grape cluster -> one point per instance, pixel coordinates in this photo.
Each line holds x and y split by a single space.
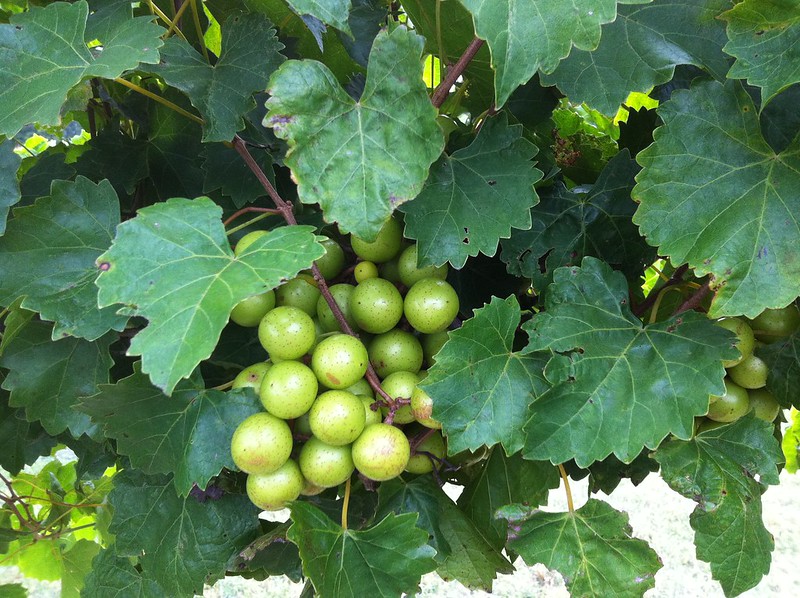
322 420
747 375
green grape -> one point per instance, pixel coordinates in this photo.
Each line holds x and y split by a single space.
300 292
409 271
289 389
362 388
302 426
365 270
430 305
395 351
376 305
774 324
337 417
703 424
324 465
390 271
332 263
261 443
312 490
248 240
730 406
339 361
252 375
250 311
422 409
271 491
401 385
432 344
421 463
287 333
386 245
373 416
381 452
342 294
745 341
750 373
764 405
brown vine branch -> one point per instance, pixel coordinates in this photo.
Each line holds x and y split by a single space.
695 300
453 73
676 278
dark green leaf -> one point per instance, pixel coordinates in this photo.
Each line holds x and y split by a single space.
48 257
783 359
268 555
21 442
780 119
385 560
13 590
225 170
480 387
114 576
116 157
37 181
608 473
358 160
173 265
330 12
474 197
618 385
365 21
725 470
9 185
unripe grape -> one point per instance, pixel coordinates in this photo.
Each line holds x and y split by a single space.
365 270
339 361
422 409
361 387
286 333
381 452
289 389
386 245
341 293
325 465
261 443
376 305
730 406
401 385
774 324
337 417
395 351
300 292
745 340
390 271
750 373
430 305
302 426
409 271
764 405
271 491
372 416
250 311
248 240
420 463
432 344
332 263
251 376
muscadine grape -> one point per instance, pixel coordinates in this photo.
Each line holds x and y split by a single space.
431 344
395 351
289 389
376 305
332 263
385 246
287 333
401 385
361 387
745 341
261 443
250 311
302 426
300 292
421 463
750 373
252 375
339 361
325 465
312 490
372 416
774 324
341 293
430 305
248 240
271 491
337 417
409 271
365 270
764 405
422 409
381 452
390 271
730 406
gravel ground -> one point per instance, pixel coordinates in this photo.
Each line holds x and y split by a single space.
657 515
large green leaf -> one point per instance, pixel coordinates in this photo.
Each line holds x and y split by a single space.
529 35
714 194
474 197
592 548
569 224
21 442
358 159
764 35
641 49
223 93
188 434
48 257
114 576
385 560
480 387
783 359
330 12
725 470
9 185
49 378
172 264
43 54
183 543
76 564
225 170
618 385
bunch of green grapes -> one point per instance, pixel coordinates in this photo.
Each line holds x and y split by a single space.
747 375
323 420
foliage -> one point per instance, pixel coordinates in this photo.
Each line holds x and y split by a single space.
598 180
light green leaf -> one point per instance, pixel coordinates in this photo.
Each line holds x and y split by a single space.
76 564
641 49
358 159
592 548
9 185
43 54
725 470
480 387
48 257
714 194
385 560
188 434
330 12
223 93
473 198
764 35
791 442
172 264
618 385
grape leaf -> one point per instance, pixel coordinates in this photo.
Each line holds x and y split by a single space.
358 159
48 255
725 470
330 12
224 169
269 554
641 49
9 185
37 181
569 224
44 54
21 442
385 560
480 387
223 93
116 157
791 442
474 197
764 35
505 481
783 359
618 385
188 434
114 576
183 543
529 35
13 590
172 264
48 378
714 194
592 548
75 565
780 121
367 18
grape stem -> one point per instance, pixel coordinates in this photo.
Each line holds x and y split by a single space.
695 300
420 438
563 472
677 278
441 92
249 210
345 503
394 405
